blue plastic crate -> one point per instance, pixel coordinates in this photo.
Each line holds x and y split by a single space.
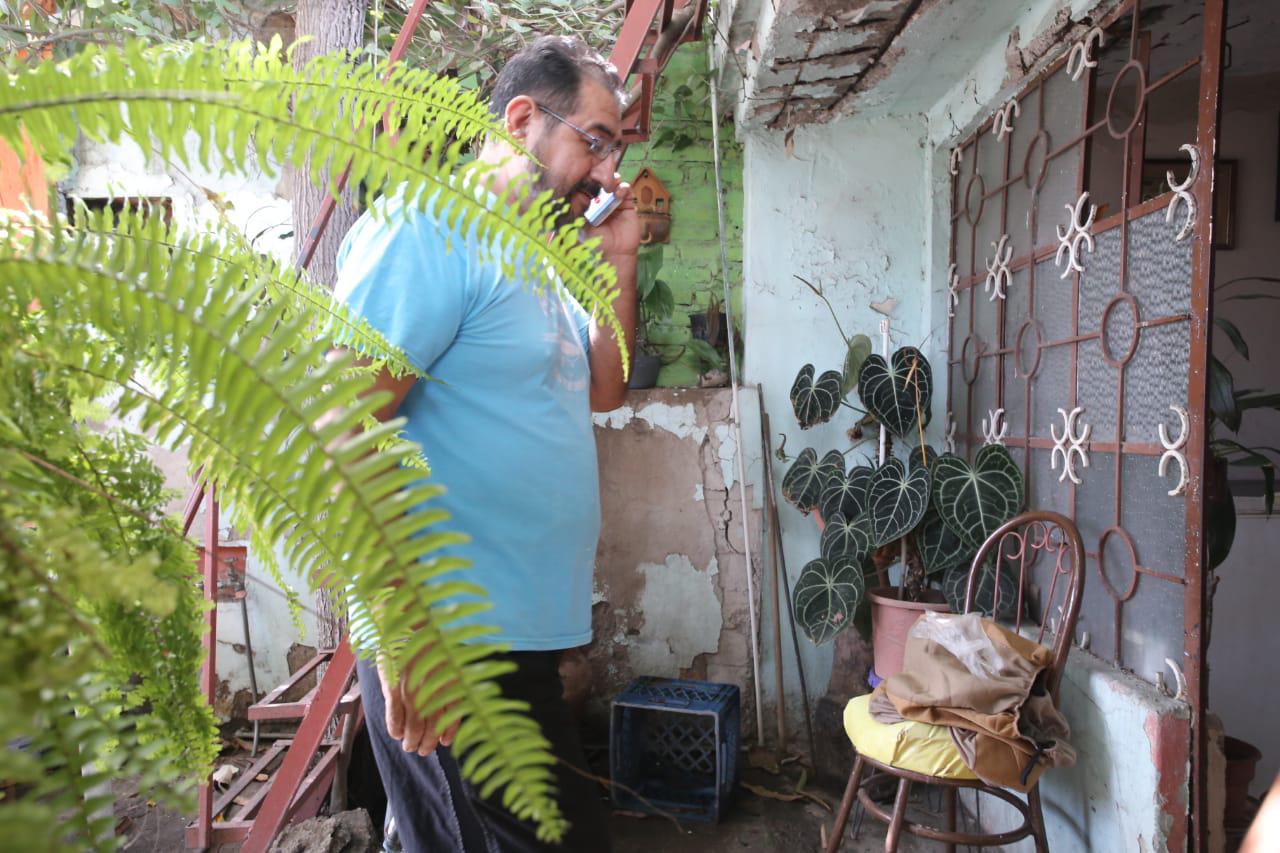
675 743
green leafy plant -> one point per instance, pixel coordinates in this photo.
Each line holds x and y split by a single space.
209 348
653 297
932 512
1228 407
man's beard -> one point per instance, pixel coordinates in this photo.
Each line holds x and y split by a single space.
542 182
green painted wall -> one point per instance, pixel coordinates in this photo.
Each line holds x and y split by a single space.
679 152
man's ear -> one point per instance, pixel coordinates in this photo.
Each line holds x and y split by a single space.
519 116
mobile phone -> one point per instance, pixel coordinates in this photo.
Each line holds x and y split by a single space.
600 208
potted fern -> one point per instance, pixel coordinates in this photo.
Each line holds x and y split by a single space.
928 513
222 353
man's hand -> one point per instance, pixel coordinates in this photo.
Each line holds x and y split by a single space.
620 233
619 241
416 733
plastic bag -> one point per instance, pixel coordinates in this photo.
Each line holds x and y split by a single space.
961 635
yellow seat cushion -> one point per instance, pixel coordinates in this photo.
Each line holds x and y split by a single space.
918 747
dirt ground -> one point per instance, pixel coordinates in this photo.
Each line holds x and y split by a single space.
753 822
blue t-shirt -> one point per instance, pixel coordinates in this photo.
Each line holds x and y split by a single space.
507 426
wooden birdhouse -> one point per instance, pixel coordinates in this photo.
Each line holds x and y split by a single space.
653 204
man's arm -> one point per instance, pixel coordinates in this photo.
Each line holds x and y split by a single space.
415 733
608 387
619 242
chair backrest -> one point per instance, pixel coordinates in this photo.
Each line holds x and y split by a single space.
1018 545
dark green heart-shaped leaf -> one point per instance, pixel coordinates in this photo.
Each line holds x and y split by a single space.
846 494
802 484
815 402
956 581
975 501
846 537
897 500
940 547
922 455
858 352
826 595
897 392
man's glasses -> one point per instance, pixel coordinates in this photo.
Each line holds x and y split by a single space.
601 149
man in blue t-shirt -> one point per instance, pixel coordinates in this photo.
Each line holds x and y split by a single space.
507 430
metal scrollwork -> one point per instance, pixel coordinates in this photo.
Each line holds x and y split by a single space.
950 441
994 428
1075 235
953 290
1081 57
955 161
1173 451
1070 445
999 277
1182 193
1003 124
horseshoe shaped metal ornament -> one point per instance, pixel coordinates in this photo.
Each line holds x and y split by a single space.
999 277
994 430
1173 451
1081 57
1182 192
1003 124
1179 680
953 290
1075 235
1070 445
955 161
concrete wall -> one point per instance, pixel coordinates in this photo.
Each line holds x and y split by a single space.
1243 688
671 584
1128 788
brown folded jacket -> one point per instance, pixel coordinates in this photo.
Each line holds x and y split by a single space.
1004 722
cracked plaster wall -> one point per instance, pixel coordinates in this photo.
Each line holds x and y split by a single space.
670 583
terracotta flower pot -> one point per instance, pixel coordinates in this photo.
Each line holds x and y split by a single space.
891 619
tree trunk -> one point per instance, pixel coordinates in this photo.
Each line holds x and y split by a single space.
334 26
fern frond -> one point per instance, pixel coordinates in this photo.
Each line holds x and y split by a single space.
239 384
296 294
255 105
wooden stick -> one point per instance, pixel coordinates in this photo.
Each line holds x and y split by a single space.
786 588
776 581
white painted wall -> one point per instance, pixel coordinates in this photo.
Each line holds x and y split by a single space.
847 209
1244 689
1110 800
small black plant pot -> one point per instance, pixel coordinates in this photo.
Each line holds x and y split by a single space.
644 370
700 327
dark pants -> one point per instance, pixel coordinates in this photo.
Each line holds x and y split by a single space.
436 811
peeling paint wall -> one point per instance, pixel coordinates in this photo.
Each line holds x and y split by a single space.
670 583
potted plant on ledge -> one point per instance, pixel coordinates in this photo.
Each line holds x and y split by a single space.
656 304
926 512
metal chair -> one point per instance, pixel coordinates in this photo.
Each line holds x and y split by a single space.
1018 544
